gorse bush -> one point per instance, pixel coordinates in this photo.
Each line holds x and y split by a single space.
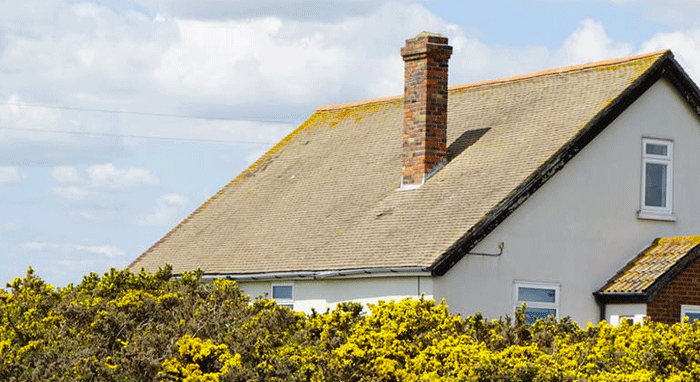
123 326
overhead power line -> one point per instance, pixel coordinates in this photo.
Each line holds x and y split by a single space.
138 136
142 113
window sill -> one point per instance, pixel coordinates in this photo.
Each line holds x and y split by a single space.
656 216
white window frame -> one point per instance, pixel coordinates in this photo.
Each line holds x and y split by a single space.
534 304
685 309
616 319
654 212
283 301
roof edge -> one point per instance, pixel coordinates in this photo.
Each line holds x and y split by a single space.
672 272
326 274
653 290
259 163
554 71
624 269
663 66
620 297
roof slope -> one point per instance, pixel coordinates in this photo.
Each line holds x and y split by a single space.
652 269
325 198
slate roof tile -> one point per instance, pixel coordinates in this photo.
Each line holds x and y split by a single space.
325 197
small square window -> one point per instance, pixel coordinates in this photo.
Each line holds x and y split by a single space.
541 300
616 319
657 178
283 294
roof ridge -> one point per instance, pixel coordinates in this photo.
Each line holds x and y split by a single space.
559 70
691 238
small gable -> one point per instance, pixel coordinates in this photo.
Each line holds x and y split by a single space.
666 276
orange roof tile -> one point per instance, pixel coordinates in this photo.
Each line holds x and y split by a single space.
655 261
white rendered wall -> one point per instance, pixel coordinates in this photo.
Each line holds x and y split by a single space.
628 310
327 293
581 227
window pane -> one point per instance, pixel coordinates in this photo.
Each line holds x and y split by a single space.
653 149
693 317
282 291
536 294
532 314
655 193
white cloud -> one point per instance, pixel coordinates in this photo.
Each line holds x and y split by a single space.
7 226
10 176
106 176
99 178
16 115
65 174
98 186
590 42
167 208
675 12
94 215
73 193
32 134
109 251
104 57
245 9
265 59
685 46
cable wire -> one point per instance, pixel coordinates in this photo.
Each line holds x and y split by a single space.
138 136
143 113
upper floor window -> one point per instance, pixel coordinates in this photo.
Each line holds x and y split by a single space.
657 178
541 300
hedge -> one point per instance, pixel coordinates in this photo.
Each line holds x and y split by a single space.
123 326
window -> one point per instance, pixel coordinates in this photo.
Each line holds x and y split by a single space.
657 176
283 294
616 319
690 311
541 300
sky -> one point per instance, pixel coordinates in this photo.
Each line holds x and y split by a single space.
118 118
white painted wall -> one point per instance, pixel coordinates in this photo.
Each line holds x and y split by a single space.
581 227
327 293
628 310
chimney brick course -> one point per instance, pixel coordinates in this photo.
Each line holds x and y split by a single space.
425 107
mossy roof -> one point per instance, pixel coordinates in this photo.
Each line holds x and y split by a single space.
647 269
325 198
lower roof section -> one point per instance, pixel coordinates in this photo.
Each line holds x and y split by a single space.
650 271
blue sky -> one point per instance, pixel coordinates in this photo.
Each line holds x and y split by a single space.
120 117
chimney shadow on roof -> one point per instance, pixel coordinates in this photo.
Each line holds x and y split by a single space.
465 140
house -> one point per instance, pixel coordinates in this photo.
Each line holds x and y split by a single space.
574 190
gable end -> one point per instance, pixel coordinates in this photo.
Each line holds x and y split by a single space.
664 67
659 285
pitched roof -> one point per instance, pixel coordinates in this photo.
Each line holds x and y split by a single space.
325 198
652 269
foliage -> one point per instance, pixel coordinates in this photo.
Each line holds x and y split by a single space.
123 326
204 361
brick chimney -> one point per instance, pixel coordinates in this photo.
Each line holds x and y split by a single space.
424 107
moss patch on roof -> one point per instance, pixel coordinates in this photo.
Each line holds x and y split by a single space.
645 269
